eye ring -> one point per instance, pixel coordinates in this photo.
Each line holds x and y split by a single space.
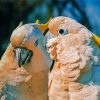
63 31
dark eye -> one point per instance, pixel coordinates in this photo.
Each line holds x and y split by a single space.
63 31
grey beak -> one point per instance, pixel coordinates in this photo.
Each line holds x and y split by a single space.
23 56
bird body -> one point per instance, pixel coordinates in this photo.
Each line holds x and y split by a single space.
24 73
72 73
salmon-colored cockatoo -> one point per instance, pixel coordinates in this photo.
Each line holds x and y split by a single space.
72 75
25 65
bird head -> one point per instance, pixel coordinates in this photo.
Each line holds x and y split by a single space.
64 26
65 33
68 29
28 43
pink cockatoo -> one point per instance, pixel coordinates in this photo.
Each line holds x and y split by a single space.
72 75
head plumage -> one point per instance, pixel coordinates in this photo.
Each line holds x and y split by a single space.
43 27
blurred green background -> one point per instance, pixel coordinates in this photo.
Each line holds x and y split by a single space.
12 12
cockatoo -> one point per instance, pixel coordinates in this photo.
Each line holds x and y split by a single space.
72 75
25 65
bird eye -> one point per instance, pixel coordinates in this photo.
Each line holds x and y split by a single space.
63 31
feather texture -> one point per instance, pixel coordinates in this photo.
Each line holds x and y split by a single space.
71 76
29 81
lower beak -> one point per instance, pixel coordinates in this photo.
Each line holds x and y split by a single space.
23 55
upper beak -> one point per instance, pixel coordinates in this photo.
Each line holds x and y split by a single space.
23 55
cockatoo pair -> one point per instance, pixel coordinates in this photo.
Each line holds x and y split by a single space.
25 64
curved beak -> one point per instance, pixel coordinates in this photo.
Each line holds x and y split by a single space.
23 55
